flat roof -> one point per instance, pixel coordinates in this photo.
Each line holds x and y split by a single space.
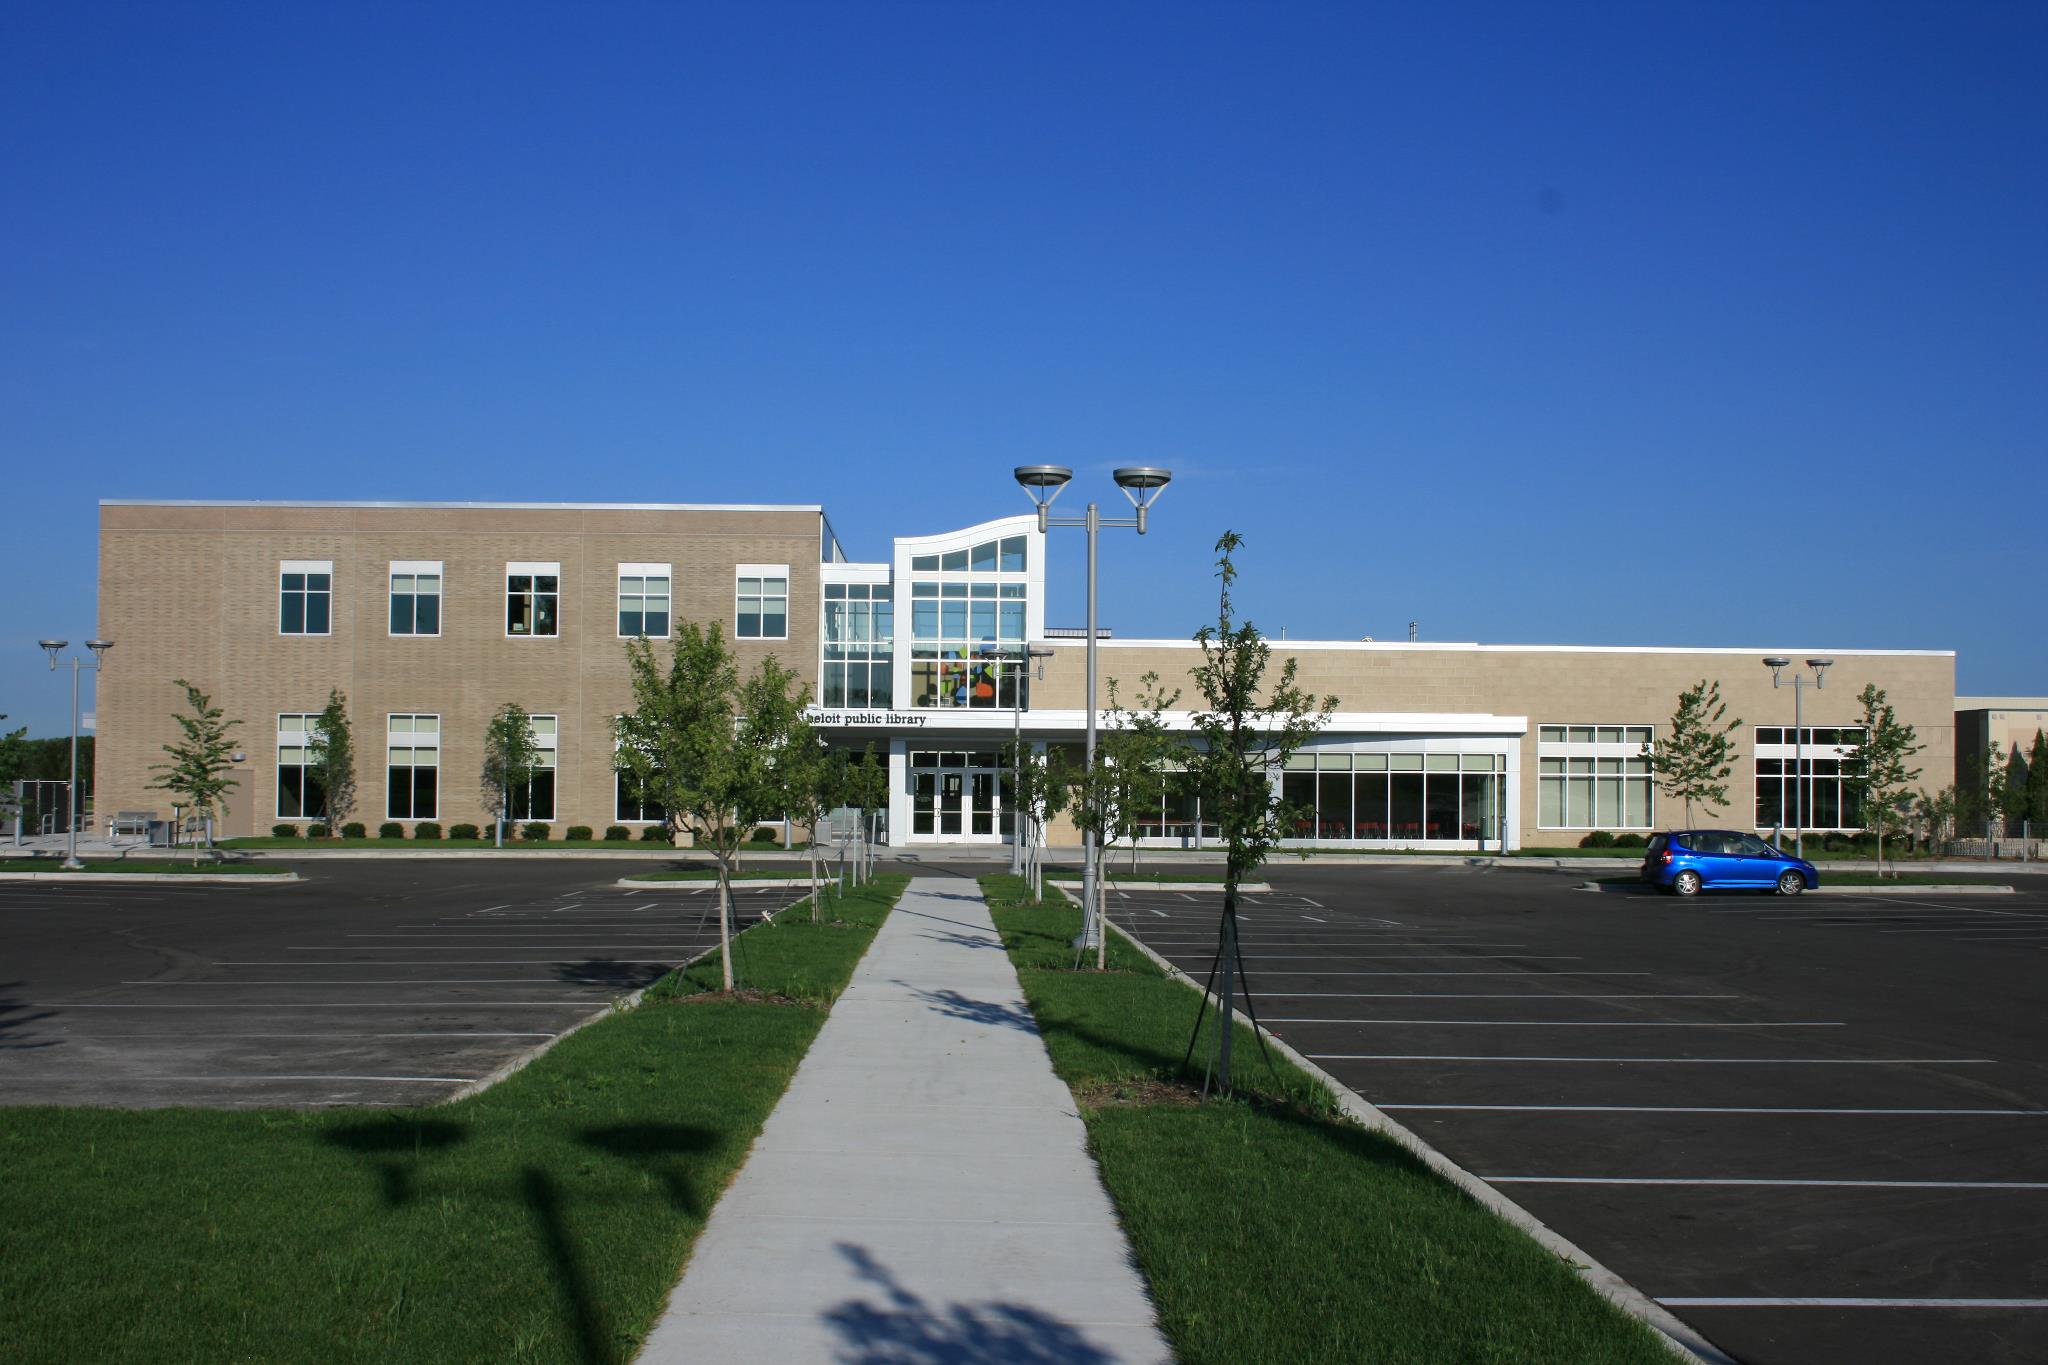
819 508
2002 703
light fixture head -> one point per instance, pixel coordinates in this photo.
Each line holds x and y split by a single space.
1777 662
99 647
1043 481
1820 663
53 645
1141 484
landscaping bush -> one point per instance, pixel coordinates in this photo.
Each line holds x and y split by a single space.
617 834
535 833
1599 838
1630 841
390 829
464 832
354 830
577 832
765 834
284 831
654 834
317 831
426 829
1836 843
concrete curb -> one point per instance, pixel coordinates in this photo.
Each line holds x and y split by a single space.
160 878
1257 888
1962 889
1682 1341
701 883
625 1002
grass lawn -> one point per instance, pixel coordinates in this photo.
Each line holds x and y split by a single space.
135 865
544 1220
1270 1228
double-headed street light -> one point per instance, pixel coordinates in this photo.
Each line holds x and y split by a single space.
1141 484
99 650
1777 665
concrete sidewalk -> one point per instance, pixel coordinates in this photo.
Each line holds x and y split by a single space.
923 1192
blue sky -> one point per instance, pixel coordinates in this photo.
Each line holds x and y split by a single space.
1715 324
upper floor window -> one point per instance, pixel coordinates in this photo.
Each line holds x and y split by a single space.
763 602
305 596
416 597
643 600
532 599
991 556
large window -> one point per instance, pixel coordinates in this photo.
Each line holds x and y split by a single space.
412 767
633 805
305 596
416 597
643 601
763 602
965 637
1404 797
532 599
1827 799
991 556
1593 777
298 789
535 800
860 628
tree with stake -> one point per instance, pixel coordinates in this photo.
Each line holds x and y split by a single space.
1693 762
1043 784
1248 730
809 778
1878 772
201 761
1128 779
511 753
331 762
867 790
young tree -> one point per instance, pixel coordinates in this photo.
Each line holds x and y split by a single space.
1692 763
1128 779
1247 729
2012 792
1936 816
331 762
1878 772
2037 784
867 790
13 758
702 747
201 760
511 753
1041 785
810 779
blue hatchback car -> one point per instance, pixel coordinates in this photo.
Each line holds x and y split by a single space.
1688 861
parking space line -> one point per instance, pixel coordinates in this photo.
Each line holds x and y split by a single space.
367 981
1697 1302
1709 1109
581 1002
1312 917
1749 1182
401 1080
452 962
1468 995
175 1037
1544 972
1562 1023
1410 957
1660 1061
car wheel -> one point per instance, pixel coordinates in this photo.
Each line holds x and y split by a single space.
1791 884
1686 883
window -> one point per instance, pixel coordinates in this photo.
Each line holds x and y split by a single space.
1593 777
416 597
991 556
536 799
1405 797
532 597
412 767
305 596
1827 799
298 789
763 602
860 626
960 633
633 805
643 601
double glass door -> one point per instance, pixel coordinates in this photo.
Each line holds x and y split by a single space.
957 794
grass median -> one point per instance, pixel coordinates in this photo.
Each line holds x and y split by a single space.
1269 1227
543 1220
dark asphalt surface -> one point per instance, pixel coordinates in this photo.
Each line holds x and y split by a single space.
389 983
1885 1058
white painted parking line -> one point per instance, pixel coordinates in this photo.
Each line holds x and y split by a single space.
1318 921
1410 957
1558 1023
1747 1182
467 947
454 962
1976 929
369 981
1311 904
1544 972
1710 1109
1853 1303
1661 1061
1468 995
583 1002
400 1080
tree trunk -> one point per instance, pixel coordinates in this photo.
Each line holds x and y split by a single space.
724 923
811 868
1101 926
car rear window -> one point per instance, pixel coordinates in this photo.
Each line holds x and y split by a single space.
1657 842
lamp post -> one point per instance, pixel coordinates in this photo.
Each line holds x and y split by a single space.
1777 665
99 650
1141 484
1026 656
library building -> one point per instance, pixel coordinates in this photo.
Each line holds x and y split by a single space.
429 617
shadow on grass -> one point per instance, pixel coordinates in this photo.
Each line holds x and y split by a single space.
911 1331
572 1283
654 1148
394 1147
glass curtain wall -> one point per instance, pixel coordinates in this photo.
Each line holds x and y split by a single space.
1406 797
860 630
955 617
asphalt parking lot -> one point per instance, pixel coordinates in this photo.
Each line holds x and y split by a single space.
392 983
1815 1128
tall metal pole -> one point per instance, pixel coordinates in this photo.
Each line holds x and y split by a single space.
71 796
1017 761
1090 874
1799 764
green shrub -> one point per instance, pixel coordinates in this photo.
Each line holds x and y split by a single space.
284 831
765 834
1599 838
390 829
577 832
1836 843
426 829
317 831
654 834
464 832
1631 841
535 833
617 834
354 830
